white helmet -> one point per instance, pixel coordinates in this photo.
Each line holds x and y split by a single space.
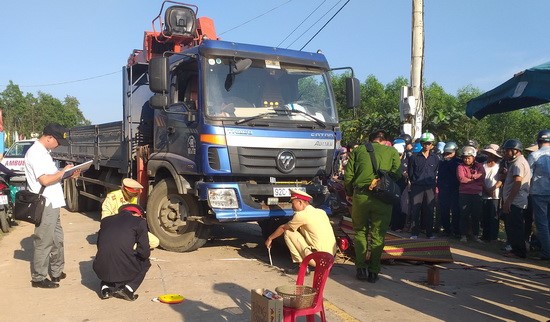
469 151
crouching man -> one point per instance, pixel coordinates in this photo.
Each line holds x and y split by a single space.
120 268
308 231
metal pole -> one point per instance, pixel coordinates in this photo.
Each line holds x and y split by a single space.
417 62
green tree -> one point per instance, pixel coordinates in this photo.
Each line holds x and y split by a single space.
444 115
27 114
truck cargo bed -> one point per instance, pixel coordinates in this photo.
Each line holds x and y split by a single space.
103 143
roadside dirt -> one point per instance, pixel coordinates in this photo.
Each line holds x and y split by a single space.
216 281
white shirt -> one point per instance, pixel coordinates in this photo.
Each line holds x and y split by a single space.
491 179
39 162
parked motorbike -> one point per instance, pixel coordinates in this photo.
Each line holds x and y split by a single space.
8 188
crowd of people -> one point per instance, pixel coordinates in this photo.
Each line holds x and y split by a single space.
464 192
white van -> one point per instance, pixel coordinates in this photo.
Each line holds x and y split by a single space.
14 158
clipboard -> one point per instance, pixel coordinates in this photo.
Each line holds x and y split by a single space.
83 167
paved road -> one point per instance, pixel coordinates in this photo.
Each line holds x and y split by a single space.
216 282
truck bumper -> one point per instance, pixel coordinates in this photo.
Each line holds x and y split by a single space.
254 201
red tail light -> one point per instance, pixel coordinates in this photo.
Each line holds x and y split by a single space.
343 243
3 186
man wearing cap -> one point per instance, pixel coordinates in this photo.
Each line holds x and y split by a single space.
308 231
41 172
540 191
119 264
370 216
128 194
491 193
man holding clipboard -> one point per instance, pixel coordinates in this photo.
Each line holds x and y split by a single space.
41 172
68 172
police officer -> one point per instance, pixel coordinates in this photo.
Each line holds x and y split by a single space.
369 215
308 231
120 268
128 194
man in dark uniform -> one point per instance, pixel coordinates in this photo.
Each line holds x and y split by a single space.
122 258
422 171
447 183
370 215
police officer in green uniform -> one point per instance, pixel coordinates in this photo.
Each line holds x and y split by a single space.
370 215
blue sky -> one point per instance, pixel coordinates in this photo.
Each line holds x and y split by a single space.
469 42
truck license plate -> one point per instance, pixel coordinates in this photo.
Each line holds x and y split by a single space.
3 200
285 191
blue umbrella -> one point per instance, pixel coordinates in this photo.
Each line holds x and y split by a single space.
527 88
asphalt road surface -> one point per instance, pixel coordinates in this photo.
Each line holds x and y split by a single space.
216 281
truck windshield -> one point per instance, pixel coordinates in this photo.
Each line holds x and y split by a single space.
267 86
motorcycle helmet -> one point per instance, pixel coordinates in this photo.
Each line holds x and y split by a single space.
440 146
407 138
450 147
512 144
543 136
469 151
399 141
472 143
427 137
417 147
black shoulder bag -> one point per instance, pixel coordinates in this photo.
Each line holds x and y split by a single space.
29 206
386 189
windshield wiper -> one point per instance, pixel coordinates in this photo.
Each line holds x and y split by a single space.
281 111
289 112
259 116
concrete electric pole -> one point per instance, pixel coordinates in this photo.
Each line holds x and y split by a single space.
411 105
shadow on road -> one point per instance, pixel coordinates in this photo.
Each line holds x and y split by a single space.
87 275
192 310
25 253
474 287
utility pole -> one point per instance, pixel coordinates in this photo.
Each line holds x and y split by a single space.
417 65
411 105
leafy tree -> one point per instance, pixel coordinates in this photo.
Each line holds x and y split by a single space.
27 114
444 115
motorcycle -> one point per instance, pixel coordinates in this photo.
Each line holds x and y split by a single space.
8 188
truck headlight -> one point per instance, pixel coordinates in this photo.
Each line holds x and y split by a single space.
222 198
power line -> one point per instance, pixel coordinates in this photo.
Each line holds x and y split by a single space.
325 24
71 81
301 23
261 15
329 10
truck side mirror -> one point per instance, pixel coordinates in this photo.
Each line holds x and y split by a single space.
158 75
158 101
353 92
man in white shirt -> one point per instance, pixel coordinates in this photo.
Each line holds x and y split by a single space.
40 170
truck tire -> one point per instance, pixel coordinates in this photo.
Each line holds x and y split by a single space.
165 210
4 224
71 195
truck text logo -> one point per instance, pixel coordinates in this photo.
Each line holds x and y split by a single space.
322 135
239 132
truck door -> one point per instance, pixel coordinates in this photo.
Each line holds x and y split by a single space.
181 121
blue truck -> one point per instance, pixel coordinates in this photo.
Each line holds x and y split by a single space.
216 131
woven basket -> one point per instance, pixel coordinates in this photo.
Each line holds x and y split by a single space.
296 296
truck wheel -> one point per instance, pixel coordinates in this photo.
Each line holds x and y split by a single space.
71 195
4 225
166 210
